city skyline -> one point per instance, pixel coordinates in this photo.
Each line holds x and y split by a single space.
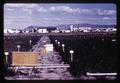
20 16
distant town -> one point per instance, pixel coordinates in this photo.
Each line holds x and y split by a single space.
64 29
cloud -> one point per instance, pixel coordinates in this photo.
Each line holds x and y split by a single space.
73 14
62 20
65 9
61 9
8 22
106 18
105 12
42 9
27 10
52 19
17 23
30 5
20 17
10 9
69 10
24 7
110 12
14 5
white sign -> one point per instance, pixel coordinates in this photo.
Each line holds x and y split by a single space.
49 47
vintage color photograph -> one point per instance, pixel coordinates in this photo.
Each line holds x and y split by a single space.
60 41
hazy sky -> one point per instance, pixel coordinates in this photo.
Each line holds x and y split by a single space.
24 15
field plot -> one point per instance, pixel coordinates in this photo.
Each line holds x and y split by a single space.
90 54
96 54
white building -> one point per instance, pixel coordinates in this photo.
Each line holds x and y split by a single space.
11 31
5 30
71 28
85 29
42 31
26 31
111 29
114 29
67 31
56 31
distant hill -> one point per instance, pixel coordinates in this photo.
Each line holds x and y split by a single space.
85 25
39 27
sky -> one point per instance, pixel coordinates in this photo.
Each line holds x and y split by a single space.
20 16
